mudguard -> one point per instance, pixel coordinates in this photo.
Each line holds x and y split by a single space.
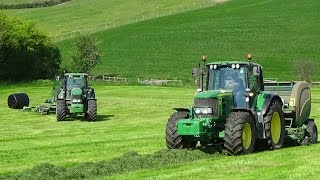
268 99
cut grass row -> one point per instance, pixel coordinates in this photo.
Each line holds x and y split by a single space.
131 118
276 32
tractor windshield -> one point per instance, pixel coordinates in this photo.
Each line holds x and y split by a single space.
228 78
76 81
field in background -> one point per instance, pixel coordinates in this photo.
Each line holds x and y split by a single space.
276 32
131 118
19 1
94 15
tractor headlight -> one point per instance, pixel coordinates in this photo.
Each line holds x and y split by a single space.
76 100
205 110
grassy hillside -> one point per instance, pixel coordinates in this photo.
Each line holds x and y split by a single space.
19 1
277 32
94 15
131 119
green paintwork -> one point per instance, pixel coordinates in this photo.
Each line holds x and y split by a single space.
76 92
77 108
213 94
260 100
194 127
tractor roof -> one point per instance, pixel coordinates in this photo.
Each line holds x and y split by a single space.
76 74
225 63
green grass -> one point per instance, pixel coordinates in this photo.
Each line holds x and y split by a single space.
9 2
275 32
96 14
131 118
290 163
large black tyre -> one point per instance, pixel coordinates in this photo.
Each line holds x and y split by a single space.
311 134
274 124
91 114
240 133
61 110
173 140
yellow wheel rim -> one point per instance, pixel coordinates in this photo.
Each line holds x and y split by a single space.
246 135
275 127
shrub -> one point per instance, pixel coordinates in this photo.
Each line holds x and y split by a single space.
304 68
87 54
25 53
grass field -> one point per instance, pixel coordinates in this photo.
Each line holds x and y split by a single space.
276 32
96 14
19 1
131 118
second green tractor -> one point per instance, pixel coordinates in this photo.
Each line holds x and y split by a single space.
237 108
74 96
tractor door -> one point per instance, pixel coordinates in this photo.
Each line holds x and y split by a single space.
255 82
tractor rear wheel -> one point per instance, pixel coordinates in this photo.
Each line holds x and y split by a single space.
311 134
173 140
91 113
61 110
275 126
240 133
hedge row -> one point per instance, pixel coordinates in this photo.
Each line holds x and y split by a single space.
25 52
47 3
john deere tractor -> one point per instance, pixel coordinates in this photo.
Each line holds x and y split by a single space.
75 97
235 108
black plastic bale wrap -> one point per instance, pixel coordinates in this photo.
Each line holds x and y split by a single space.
18 101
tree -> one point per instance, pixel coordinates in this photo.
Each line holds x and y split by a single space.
304 68
25 52
87 54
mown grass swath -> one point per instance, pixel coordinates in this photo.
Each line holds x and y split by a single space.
275 32
129 161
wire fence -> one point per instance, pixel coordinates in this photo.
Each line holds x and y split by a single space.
122 22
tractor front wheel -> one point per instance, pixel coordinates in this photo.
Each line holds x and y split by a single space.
173 140
61 110
91 113
240 133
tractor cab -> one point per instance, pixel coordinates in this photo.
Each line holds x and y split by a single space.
236 77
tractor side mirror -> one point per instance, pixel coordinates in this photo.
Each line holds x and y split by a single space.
57 78
195 72
256 71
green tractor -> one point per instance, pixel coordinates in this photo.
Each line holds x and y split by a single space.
236 109
74 96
